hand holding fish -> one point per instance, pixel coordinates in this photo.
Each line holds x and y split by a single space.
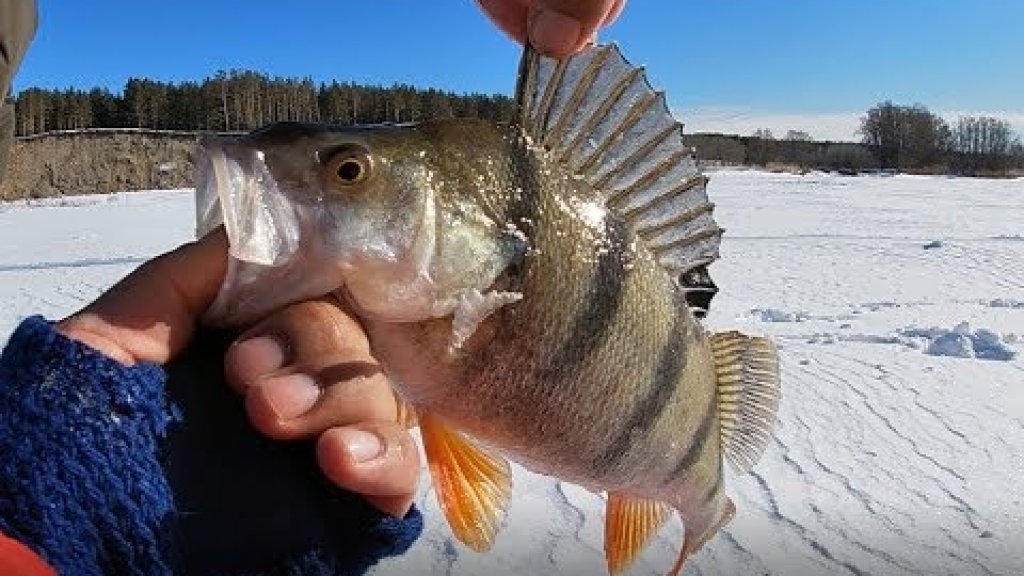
557 28
305 370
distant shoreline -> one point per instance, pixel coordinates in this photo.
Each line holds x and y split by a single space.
107 160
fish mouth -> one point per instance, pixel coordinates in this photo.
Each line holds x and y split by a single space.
265 229
235 188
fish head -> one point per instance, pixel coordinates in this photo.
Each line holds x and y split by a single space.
311 209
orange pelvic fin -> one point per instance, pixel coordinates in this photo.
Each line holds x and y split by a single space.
473 484
629 525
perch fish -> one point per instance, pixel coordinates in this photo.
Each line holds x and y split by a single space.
532 289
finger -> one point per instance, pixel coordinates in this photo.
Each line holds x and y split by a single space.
308 368
560 28
151 314
377 459
508 15
296 334
613 12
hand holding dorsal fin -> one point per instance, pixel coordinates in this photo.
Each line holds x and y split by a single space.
748 395
597 115
629 524
473 484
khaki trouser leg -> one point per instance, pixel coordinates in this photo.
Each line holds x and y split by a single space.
18 21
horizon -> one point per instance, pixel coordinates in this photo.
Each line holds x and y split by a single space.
803 67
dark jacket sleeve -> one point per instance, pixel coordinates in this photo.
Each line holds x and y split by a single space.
112 469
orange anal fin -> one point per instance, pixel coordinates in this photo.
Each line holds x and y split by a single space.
629 525
15 558
473 484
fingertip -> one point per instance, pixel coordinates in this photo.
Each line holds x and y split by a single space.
508 15
614 13
388 472
251 358
277 406
560 28
554 33
394 506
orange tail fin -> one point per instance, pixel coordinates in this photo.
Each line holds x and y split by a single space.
698 532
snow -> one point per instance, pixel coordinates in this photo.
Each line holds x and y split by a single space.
1006 303
773 315
900 448
962 342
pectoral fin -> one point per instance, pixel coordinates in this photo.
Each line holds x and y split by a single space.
473 484
474 307
629 525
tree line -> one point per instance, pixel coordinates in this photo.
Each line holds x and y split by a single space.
912 138
893 138
794 150
243 100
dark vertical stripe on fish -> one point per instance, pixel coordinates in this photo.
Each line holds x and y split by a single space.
712 490
699 439
663 385
591 327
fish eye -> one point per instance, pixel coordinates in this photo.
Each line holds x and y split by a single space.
350 170
349 166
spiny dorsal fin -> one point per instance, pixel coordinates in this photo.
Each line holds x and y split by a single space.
629 524
598 115
748 395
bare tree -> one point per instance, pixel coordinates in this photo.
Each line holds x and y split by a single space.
904 137
759 147
983 144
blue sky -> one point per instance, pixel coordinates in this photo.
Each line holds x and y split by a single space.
730 65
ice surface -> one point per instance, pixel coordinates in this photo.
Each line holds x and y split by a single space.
888 460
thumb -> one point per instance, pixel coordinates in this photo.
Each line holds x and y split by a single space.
560 28
151 314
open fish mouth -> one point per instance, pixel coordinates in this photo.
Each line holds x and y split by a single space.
235 188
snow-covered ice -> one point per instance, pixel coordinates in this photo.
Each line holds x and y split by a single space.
900 448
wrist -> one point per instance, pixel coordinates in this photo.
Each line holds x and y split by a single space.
89 330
